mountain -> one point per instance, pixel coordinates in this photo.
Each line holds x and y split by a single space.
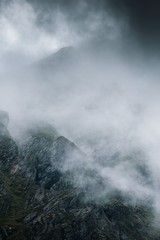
59 58
40 200
57 62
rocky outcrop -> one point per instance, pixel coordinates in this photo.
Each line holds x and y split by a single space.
8 148
36 153
4 118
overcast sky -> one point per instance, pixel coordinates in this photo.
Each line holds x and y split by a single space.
139 19
95 99
142 15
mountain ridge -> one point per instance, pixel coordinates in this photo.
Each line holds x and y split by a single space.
40 201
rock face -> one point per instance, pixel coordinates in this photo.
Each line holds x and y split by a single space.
8 148
38 199
36 154
4 118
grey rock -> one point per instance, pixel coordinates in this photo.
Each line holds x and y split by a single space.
36 152
4 118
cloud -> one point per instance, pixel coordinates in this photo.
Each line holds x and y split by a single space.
104 101
33 32
20 33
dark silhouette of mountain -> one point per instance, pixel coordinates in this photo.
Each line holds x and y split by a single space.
61 59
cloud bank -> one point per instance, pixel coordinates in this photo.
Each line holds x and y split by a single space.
105 101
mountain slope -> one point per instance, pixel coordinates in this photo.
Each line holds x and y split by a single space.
39 200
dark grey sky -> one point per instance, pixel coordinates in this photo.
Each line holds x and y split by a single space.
138 20
143 15
144 18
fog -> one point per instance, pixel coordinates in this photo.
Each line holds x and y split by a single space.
102 94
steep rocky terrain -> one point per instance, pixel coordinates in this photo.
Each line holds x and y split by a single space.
39 200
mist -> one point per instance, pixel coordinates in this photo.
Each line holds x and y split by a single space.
104 95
